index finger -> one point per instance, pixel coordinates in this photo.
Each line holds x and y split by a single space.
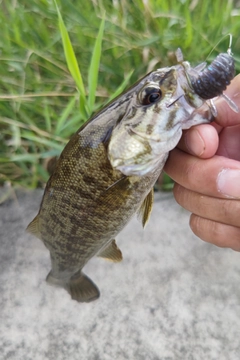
226 116
205 176
202 140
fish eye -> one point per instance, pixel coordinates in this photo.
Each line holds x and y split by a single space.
150 95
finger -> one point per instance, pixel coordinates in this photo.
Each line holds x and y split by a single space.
229 142
226 116
217 176
221 210
201 140
216 233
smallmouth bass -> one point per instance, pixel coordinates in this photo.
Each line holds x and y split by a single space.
107 171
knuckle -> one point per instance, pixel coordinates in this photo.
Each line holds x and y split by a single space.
230 210
192 175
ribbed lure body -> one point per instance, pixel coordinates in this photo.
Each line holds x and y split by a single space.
215 78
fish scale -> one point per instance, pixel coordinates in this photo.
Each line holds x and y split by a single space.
107 171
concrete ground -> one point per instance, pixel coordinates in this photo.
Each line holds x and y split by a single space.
172 297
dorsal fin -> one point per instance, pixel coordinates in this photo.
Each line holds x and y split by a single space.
146 207
33 227
111 252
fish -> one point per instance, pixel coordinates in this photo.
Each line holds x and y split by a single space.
106 173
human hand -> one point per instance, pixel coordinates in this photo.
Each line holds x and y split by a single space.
206 169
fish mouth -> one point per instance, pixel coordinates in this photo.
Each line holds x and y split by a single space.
161 136
175 100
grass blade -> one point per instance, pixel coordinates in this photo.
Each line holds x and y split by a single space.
72 62
94 67
121 87
64 116
38 140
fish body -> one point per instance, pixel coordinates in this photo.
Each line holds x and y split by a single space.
106 174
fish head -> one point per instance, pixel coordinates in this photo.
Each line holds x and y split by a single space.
161 105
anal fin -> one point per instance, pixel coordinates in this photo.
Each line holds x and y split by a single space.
33 227
111 252
145 209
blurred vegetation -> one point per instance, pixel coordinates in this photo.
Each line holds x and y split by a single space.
39 100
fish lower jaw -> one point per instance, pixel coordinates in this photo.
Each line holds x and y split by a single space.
145 168
157 159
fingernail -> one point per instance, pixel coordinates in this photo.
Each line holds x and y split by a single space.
228 182
194 142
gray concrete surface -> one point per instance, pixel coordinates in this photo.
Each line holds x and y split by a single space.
173 296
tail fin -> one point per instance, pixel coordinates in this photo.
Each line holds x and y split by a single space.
81 288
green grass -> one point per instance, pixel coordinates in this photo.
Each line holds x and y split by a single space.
45 96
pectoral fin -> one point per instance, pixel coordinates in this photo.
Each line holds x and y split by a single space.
146 207
111 252
33 227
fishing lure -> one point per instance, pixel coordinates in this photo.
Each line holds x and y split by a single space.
214 79
210 81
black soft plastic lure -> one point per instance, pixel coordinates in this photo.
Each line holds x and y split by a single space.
215 78
210 81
